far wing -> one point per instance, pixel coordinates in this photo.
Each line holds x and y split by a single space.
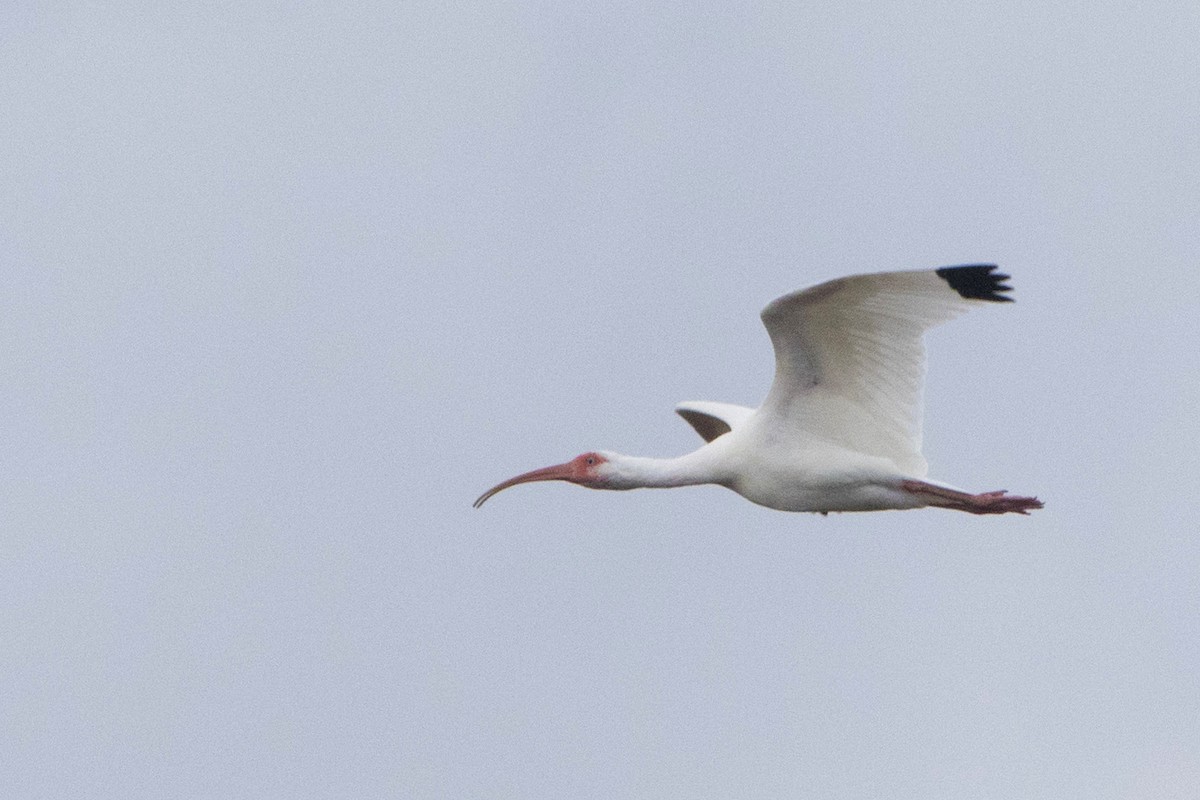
850 361
712 419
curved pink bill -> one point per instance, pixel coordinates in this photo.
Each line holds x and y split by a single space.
558 472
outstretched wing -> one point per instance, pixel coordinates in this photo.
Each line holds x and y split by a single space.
850 361
713 419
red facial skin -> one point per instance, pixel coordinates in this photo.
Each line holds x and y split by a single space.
581 470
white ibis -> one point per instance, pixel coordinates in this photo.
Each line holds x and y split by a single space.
840 429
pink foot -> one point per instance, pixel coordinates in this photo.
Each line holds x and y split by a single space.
1002 502
999 502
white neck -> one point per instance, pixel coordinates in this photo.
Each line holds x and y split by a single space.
635 472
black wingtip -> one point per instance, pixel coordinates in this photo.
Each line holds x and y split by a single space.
977 282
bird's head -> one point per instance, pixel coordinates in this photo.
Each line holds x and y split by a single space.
589 469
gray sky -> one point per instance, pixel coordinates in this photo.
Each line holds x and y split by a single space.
287 287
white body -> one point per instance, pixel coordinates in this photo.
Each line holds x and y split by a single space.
769 472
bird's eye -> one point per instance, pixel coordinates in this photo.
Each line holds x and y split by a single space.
590 461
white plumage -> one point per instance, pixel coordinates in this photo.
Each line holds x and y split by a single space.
840 429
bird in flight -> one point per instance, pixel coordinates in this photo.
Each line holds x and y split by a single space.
840 429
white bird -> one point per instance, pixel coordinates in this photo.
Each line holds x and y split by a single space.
840 429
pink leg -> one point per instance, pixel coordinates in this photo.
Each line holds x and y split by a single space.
1000 502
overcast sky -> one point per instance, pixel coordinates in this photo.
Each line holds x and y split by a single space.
288 285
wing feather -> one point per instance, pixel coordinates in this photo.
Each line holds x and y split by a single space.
712 419
850 360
